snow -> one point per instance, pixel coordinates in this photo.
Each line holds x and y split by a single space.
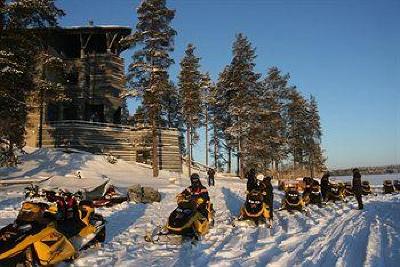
335 235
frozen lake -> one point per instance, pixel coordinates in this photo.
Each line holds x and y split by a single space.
373 179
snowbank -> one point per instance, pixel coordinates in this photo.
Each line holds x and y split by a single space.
94 169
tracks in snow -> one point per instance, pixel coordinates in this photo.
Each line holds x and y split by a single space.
335 235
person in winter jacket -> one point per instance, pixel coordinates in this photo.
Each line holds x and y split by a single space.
196 190
325 185
252 183
211 177
267 190
357 188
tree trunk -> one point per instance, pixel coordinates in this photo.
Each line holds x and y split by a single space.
215 149
40 120
229 160
238 163
189 152
241 163
206 138
311 167
2 4
155 148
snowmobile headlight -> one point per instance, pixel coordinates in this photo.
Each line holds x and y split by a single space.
25 228
187 211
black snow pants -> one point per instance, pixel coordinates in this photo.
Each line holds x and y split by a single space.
358 196
324 192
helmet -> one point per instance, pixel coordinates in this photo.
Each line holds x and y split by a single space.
260 177
195 178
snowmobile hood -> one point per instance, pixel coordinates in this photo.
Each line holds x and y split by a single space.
13 234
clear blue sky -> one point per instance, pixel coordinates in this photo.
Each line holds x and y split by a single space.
346 53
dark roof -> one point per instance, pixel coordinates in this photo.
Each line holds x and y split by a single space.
124 30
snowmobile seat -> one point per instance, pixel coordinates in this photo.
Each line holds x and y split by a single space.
388 187
396 184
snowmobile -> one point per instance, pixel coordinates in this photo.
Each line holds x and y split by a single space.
312 195
388 187
110 198
348 189
396 184
191 220
38 238
336 192
292 200
254 211
366 188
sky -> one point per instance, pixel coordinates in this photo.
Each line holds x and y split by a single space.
346 53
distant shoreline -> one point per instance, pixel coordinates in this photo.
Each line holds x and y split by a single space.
390 169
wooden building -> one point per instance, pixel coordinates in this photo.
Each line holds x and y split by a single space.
90 119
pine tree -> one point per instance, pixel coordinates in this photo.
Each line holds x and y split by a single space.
269 130
190 91
206 88
313 137
242 91
297 127
49 80
222 118
24 65
215 118
153 40
171 106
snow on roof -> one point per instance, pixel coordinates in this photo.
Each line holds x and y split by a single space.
98 26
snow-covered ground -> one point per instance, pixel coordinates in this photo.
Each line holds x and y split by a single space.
335 235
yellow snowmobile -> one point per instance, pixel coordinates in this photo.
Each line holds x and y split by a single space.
312 194
336 191
293 200
366 188
191 220
254 211
36 238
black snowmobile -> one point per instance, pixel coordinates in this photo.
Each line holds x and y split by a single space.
254 211
336 192
366 188
312 195
396 184
187 222
348 189
292 200
388 187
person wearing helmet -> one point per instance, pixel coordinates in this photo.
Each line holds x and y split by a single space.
325 185
267 189
211 177
252 183
196 189
357 187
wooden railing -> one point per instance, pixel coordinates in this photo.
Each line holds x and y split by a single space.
77 123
